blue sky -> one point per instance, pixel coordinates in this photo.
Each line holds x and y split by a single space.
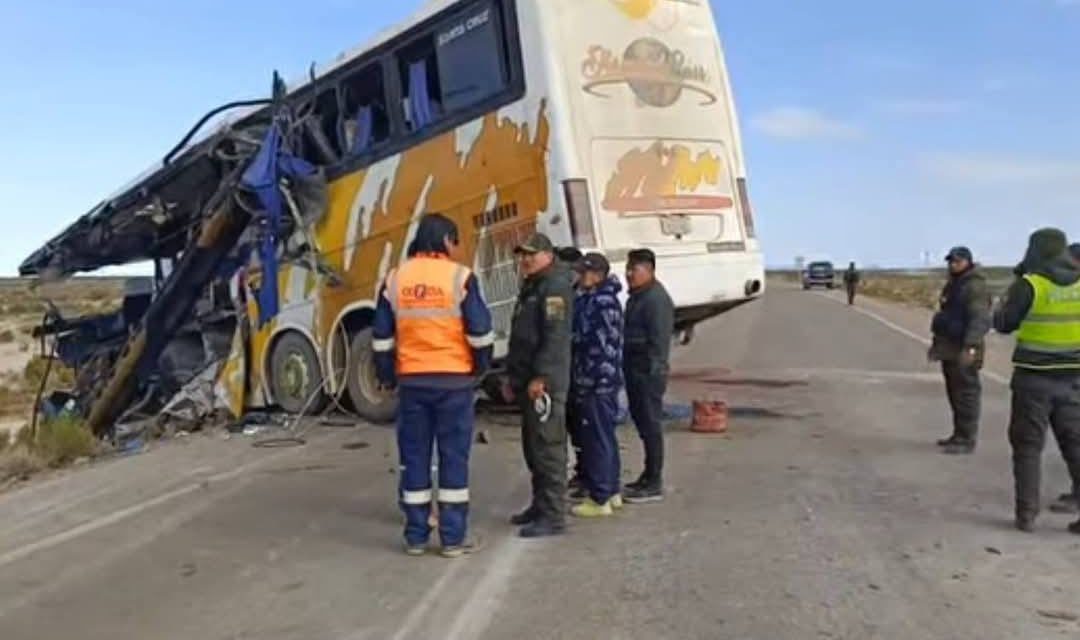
873 131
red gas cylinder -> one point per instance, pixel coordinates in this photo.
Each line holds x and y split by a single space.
710 416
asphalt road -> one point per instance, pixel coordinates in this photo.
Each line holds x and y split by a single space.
826 512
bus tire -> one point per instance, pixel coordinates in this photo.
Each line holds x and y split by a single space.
296 378
362 384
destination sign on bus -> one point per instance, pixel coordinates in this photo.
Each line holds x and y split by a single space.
463 27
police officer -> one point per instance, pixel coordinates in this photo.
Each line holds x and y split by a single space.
1043 308
432 336
959 328
1066 502
650 323
851 282
538 366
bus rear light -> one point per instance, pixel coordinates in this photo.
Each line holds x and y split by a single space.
747 211
579 210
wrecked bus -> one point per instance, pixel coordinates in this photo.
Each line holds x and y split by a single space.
607 124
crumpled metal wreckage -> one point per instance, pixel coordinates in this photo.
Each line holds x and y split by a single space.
236 202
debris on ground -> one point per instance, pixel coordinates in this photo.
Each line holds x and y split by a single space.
482 437
1063 616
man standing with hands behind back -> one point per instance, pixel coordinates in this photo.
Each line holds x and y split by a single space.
538 365
650 323
960 328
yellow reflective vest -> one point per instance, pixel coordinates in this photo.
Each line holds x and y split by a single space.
1049 336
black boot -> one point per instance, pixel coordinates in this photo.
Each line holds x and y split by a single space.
959 448
527 516
944 442
1066 503
1026 524
543 528
1075 527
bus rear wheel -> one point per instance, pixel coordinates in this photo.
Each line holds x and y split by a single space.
363 385
296 378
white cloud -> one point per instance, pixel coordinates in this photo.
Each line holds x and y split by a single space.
922 106
799 123
1001 169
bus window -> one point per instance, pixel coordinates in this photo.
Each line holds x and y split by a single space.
460 64
365 120
321 143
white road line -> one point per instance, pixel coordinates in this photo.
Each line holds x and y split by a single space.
910 334
90 526
417 614
477 612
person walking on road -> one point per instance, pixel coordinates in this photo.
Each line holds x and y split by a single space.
650 323
432 337
851 282
959 329
1043 308
538 366
596 378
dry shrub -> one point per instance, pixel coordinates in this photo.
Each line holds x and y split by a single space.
60 376
15 401
60 441
19 463
922 291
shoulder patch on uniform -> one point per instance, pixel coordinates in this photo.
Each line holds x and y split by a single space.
555 307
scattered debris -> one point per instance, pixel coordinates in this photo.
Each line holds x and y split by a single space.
482 437
132 447
1063 616
188 569
993 550
874 587
355 446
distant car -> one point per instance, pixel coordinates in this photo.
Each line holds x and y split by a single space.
819 274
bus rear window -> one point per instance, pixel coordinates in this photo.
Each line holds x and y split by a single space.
460 64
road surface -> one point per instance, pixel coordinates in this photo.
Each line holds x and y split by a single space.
825 513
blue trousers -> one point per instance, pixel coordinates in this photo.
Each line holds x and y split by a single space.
595 416
428 416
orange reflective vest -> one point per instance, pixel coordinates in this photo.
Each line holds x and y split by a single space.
426 293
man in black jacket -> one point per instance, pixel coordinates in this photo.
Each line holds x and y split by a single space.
960 328
1043 307
538 365
650 323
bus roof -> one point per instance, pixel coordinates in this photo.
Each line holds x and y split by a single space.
102 209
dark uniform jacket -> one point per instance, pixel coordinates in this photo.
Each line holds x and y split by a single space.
963 319
540 333
650 323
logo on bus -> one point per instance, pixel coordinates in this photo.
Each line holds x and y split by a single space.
666 178
657 74
646 10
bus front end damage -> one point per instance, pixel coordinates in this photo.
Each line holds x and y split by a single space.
216 217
